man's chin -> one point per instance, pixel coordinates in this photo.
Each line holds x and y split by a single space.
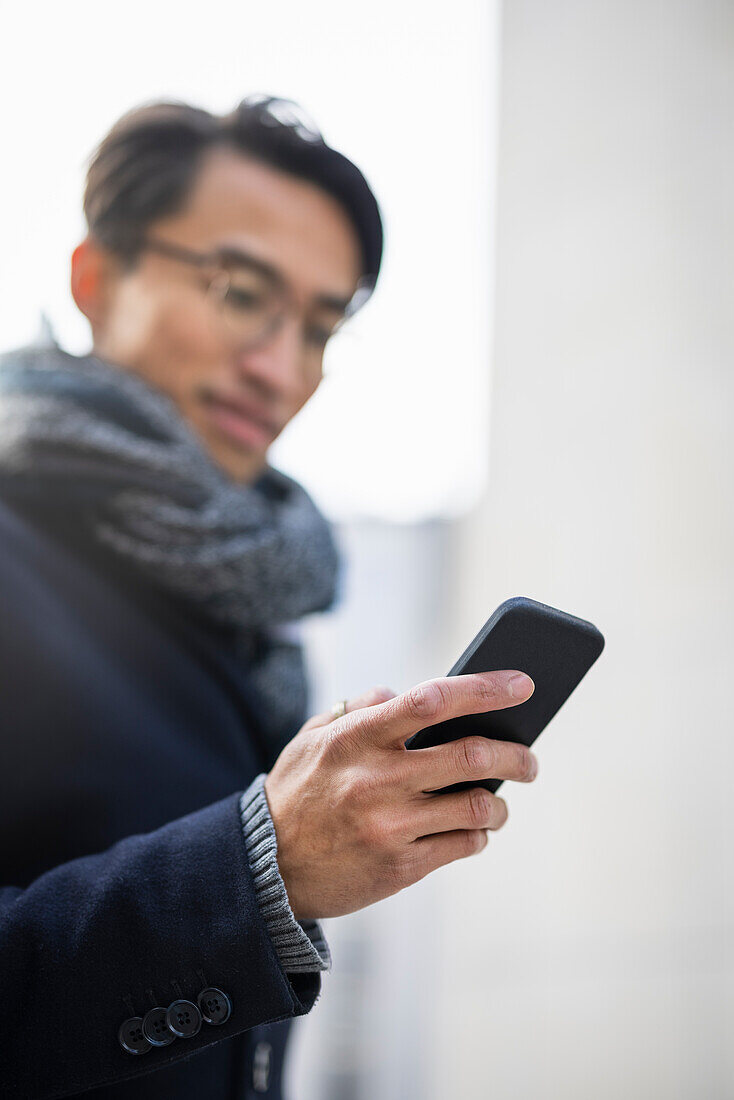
240 463
242 468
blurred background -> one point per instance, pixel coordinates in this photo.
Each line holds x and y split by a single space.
537 401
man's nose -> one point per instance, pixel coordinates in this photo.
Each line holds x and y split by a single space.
276 361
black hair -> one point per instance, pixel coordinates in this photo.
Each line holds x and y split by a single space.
144 169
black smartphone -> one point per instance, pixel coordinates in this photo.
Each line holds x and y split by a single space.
554 648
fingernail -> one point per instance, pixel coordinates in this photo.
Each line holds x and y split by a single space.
533 767
520 685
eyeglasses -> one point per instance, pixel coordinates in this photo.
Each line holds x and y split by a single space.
252 299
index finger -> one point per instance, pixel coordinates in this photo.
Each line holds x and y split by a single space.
391 723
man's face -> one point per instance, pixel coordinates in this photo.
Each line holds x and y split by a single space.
159 321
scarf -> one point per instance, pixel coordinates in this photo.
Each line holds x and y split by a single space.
121 462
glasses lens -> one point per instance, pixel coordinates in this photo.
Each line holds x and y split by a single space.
247 301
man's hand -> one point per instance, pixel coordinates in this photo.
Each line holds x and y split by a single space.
356 814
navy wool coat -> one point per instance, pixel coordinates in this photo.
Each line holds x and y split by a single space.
128 731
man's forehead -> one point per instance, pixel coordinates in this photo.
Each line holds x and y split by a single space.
239 204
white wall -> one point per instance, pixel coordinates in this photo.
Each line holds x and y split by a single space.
588 952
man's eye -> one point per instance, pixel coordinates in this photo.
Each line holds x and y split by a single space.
243 299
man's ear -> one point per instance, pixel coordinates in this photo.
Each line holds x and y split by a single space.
93 272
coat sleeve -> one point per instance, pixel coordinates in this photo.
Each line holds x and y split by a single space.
301 945
157 918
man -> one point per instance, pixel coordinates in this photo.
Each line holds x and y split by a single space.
171 828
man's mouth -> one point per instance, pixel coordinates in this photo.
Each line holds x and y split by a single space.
240 422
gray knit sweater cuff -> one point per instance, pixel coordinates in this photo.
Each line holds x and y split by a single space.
301 945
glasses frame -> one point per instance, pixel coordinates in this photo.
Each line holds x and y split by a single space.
219 281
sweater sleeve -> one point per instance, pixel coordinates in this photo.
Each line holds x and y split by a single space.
301 945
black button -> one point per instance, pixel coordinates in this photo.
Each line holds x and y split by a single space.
155 1028
131 1036
216 1007
183 1018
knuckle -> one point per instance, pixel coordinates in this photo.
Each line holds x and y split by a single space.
472 757
374 833
425 700
334 745
396 873
360 788
480 807
347 781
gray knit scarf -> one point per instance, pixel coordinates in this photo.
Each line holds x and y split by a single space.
118 455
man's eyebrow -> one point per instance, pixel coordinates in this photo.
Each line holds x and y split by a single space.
334 302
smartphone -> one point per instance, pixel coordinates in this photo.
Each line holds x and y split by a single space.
554 648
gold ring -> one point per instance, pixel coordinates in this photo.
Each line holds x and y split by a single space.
339 709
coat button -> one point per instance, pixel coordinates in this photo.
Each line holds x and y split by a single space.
216 1007
183 1018
155 1028
131 1036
